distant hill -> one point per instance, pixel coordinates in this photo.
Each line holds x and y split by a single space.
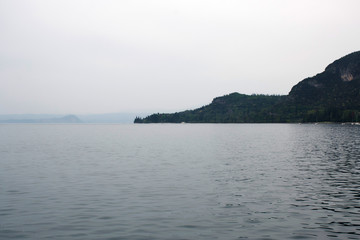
109 118
33 119
333 95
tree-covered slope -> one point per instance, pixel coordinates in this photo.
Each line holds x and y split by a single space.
232 108
333 95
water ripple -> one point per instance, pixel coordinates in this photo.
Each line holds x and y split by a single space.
262 181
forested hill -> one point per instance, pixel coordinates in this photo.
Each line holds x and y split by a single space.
232 108
333 95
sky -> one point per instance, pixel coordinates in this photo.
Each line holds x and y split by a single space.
103 56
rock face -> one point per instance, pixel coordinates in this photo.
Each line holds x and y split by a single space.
338 86
333 95
347 68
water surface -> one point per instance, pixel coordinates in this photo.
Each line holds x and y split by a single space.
180 181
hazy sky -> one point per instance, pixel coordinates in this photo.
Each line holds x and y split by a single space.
102 56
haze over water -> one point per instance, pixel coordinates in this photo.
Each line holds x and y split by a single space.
185 181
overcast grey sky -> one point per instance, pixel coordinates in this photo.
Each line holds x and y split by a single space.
73 56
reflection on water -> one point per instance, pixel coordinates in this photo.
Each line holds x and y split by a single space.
210 181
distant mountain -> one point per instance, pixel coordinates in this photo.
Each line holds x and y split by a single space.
333 95
109 118
56 118
64 119
28 116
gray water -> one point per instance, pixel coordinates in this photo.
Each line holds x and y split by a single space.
199 181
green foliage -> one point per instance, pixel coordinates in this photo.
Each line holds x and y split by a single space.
232 108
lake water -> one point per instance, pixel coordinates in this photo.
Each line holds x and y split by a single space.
180 181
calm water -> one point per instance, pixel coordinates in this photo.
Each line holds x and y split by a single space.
211 181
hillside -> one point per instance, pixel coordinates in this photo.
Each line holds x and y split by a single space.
332 95
232 108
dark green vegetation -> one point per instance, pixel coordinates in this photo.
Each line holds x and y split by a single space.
232 108
331 96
